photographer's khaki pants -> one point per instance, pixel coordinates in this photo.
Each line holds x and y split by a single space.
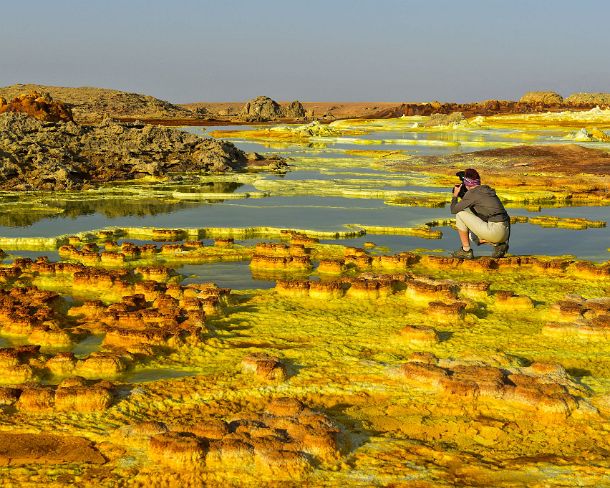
494 232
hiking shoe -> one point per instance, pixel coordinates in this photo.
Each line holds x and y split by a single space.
460 253
474 238
500 250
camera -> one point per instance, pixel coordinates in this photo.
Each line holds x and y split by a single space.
463 189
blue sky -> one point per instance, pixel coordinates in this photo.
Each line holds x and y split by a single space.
327 50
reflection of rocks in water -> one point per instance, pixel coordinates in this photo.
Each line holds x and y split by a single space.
24 217
221 186
27 214
108 207
121 207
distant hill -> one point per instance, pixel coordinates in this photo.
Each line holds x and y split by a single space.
92 104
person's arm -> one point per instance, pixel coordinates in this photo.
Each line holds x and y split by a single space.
466 202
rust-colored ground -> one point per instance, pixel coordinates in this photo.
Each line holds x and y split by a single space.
565 159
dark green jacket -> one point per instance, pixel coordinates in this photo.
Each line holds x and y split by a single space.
483 202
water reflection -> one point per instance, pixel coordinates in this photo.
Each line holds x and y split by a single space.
24 214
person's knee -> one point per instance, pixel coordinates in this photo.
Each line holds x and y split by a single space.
459 221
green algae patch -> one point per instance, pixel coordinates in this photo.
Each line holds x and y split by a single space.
424 231
566 223
364 189
216 196
430 201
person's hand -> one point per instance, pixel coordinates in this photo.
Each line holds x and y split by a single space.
456 190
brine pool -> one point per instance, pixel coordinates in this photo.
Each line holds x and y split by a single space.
316 194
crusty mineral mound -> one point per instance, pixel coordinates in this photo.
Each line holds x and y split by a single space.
452 119
37 155
39 105
262 109
91 105
542 97
587 99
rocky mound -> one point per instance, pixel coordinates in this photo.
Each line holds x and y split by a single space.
38 155
295 110
38 105
90 105
264 109
542 97
580 99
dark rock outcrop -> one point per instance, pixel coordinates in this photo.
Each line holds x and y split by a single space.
38 155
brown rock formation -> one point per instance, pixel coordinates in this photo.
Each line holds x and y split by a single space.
507 299
282 442
293 288
101 364
326 289
588 99
419 334
331 266
261 109
290 263
542 98
36 399
431 290
82 398
180 450
541 388
295 110
447 310
369 289
264 366
26 309
38 105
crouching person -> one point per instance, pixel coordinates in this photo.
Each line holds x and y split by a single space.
479 216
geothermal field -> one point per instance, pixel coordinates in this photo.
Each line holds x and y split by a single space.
264 294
